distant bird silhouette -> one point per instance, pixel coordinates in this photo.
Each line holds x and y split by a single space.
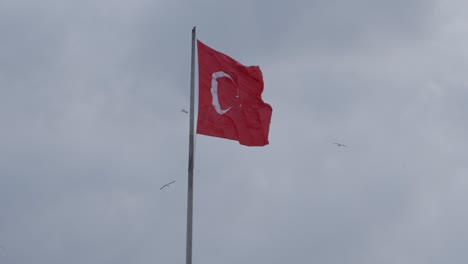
184 111
339 144
166 185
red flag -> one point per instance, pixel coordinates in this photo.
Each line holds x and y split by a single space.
230 101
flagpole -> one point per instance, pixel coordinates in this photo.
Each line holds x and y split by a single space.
188 253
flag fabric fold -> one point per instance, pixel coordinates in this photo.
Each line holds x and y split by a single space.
230 103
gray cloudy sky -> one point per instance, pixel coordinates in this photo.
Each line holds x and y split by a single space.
90 128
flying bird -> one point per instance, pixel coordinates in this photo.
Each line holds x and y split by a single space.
184 111
166 185
339 144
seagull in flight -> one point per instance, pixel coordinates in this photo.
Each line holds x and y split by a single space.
339 144
166 185
184 111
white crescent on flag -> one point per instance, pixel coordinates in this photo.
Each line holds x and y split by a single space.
214 91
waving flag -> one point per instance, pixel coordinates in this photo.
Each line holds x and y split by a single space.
230 101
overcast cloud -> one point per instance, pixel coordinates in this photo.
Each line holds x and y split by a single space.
91 127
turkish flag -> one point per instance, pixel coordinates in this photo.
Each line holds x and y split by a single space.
230 101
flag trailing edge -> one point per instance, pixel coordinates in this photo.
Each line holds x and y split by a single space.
230 103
